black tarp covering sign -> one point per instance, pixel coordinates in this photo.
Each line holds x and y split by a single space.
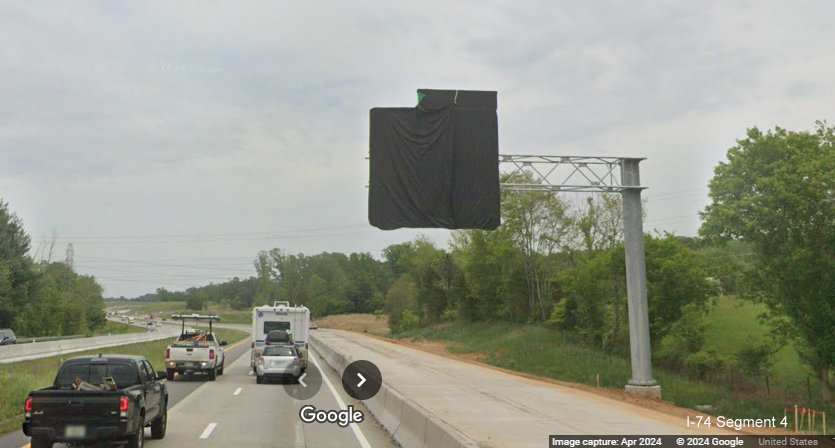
437 164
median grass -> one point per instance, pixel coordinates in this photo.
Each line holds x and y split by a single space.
17 379
111 328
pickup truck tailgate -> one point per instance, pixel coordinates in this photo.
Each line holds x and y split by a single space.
70 406
194 354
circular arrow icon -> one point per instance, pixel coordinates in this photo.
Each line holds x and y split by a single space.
306 385
362 380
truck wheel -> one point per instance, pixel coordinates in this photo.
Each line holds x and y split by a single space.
158 426
213 374
171 373
138 440
220 370
38 442
259 379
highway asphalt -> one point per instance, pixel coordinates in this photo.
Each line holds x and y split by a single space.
235 411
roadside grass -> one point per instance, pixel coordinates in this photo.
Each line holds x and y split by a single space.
734 324
17 379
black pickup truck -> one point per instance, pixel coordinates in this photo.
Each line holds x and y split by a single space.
84 416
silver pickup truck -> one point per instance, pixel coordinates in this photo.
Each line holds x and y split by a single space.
195 351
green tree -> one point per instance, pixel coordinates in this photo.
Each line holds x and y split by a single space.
17 275
599 224
539 225
775 191
595 300
401 298
197 300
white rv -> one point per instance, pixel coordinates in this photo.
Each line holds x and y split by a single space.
280 316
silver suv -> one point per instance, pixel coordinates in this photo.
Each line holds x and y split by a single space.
7 337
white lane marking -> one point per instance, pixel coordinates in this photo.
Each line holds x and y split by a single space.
356 429
299 433
302 378
208 431
251 373
238 391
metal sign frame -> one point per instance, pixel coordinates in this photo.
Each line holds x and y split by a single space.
591 174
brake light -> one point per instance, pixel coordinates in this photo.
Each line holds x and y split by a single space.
295 360
123 404
253 345
167 353
28 406
212 353
261 360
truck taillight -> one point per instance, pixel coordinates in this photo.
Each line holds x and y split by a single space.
295 360
123 404
261 360
253 345
28 406
211 353
167 353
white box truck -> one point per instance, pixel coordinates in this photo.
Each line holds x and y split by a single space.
280 316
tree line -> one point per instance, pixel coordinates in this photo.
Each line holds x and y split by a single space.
42 298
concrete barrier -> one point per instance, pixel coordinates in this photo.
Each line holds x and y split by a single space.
37 350
411 425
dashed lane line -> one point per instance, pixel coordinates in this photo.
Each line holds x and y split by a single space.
208 431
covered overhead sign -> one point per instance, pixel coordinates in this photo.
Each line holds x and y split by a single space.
436 164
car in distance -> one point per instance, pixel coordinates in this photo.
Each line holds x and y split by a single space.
96 400
7 337
278 361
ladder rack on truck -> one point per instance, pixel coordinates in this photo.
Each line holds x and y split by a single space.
197 318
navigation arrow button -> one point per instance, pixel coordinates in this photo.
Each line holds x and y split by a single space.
370 380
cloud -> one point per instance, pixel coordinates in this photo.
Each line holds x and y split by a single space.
221 118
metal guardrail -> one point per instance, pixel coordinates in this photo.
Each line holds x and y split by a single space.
48 338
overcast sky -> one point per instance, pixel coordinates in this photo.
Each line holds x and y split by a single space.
169 142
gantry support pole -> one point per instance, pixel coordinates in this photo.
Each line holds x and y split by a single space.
636 283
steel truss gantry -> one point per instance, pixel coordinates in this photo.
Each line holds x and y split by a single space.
590 174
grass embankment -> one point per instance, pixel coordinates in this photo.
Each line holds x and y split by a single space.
734 324
362 323
17 379
539 350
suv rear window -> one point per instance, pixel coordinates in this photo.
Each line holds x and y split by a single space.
278 350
